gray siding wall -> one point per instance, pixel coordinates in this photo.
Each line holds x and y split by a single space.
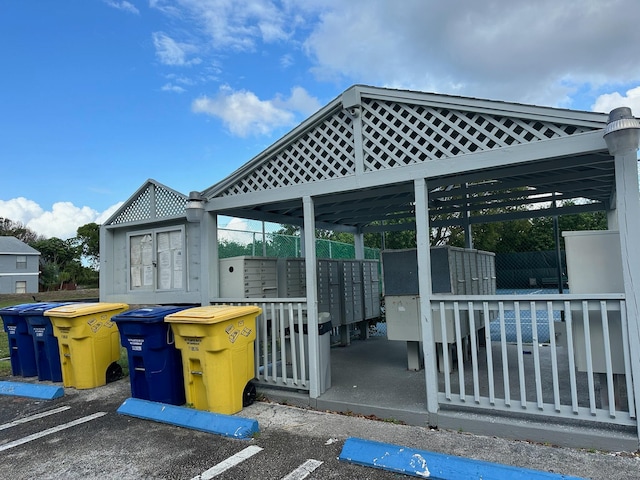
9 274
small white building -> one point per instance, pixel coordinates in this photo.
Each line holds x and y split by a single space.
373 155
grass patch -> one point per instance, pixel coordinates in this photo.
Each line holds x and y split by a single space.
5 365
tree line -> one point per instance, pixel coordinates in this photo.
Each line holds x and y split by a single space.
72 261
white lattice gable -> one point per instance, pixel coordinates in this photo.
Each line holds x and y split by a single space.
151 202
371 129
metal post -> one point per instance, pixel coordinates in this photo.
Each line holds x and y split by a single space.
556 236
264 241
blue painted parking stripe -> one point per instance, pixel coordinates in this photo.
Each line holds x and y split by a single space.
230 462
31 390
30 418
49 431
226 425
425 464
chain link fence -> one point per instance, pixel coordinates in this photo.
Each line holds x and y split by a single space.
233 243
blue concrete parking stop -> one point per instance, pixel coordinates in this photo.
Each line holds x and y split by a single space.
31 390
425 464
225 425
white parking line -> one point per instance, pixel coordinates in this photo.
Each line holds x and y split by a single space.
49 431
304 470
33 417
232 461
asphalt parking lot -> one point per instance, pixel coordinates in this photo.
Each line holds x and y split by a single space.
81 436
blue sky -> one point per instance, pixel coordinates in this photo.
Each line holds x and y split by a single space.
97 96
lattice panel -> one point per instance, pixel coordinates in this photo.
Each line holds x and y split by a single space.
322 153
152 203
398 134
169 204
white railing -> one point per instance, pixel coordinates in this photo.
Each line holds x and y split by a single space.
281 345
556 355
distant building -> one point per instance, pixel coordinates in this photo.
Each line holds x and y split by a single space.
19 266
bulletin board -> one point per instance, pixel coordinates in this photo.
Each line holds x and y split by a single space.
156 260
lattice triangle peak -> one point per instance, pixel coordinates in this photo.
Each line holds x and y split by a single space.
370 129
400 133
152 201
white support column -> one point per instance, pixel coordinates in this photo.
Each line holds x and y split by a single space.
424 280
623 138
312 296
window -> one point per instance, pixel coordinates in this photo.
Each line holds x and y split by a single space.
21 262
156 260
21 287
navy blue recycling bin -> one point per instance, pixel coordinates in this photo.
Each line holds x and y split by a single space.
155 365
45 344
21 348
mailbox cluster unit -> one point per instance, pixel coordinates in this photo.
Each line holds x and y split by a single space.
292 281
456 271
249 277
348 289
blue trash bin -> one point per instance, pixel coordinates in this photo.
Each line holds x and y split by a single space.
155 365
21 349
45 344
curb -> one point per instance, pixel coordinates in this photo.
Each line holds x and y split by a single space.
424 464
226 425
31 390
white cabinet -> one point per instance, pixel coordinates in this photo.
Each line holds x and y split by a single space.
594 265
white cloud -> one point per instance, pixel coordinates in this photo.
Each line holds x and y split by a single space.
124 5
525 51
20 210
243 113
61 221
173 53
169 87
236 230
233 24
299 101
607 102
542 52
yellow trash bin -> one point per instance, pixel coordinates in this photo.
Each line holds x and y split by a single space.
89 341
217 347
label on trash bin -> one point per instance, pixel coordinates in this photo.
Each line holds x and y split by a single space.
39 331
136 344
193 342
94 324
11 329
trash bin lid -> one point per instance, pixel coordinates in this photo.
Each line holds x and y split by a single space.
79 309
18 309
212 313
147 314
40 308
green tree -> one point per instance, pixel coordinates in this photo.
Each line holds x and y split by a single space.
17 229
59 260
88 241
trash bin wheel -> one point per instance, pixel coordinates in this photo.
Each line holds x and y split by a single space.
114 372
249 394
